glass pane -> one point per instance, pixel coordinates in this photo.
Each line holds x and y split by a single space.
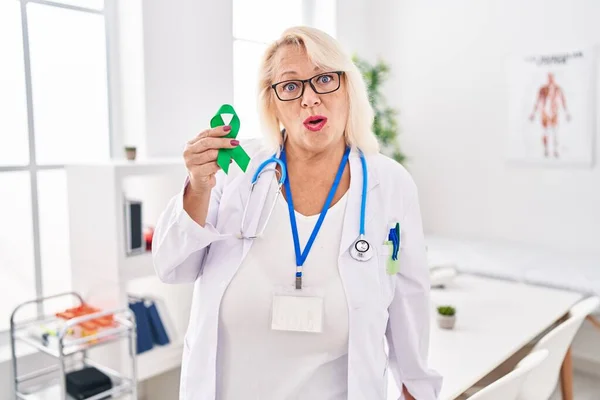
267 24
17 272
246 60
70 96
95 4
14 140
54 231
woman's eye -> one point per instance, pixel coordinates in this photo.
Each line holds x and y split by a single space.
325 79
290 87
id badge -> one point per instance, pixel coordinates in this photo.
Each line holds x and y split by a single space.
297 310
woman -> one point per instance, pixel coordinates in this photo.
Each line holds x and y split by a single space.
278 314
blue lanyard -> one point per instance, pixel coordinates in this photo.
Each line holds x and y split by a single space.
301 255
363 201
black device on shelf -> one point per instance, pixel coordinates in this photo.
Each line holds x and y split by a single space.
87 382
134 229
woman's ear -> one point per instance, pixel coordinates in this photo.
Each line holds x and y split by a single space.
283 135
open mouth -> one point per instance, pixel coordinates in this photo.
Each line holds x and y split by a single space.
315 123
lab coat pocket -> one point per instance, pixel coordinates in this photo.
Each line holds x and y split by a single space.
361 281
387 280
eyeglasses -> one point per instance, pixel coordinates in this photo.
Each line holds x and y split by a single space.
294 89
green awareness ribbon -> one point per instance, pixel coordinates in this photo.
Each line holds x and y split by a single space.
237 154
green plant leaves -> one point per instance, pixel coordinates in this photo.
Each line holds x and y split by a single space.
446 310
385 125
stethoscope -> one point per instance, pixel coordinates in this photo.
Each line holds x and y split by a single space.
361 250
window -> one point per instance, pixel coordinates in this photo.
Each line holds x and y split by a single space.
13 102
69 84
55 110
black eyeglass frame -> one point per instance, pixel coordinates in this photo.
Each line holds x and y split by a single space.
309 81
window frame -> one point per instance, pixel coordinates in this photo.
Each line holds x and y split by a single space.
33 168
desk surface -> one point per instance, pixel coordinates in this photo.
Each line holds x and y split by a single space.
494 319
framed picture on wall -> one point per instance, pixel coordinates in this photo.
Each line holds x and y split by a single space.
552 108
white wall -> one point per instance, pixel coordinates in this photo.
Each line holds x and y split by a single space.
448 80
188 56
130 71
450 86
354 27
188 50
449 83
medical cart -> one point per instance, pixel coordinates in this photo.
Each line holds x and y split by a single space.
71 353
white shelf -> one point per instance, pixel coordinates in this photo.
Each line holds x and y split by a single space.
53 392
125 164
159 360
50 389
137 266
102 271
123 168
52 350
150 167
97 191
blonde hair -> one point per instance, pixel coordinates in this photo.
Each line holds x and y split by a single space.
326 53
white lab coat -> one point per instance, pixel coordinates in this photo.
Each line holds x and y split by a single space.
380 306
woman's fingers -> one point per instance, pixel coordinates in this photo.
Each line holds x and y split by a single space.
204 157
204 170
201 153
210 142
219 131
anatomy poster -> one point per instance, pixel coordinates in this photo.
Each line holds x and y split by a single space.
551 108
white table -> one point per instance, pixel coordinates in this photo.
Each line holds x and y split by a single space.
495 319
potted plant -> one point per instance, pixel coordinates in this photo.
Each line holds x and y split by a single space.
385 124
446 317
130 152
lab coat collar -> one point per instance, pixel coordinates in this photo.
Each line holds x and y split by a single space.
254 197
351 225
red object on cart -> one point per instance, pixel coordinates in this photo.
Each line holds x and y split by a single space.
85 309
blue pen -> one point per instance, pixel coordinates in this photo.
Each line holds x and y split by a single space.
397 230
394 239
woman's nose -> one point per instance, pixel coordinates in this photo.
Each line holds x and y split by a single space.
310 98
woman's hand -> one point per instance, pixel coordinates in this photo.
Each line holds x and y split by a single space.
407 395
200 157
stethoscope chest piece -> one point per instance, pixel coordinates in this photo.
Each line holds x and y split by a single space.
361 250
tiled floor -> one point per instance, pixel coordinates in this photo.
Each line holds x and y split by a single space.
585 387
